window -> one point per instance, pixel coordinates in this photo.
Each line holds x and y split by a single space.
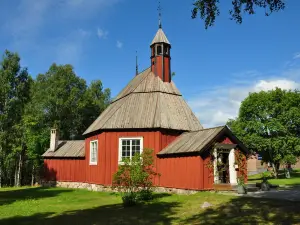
93 152
166 50
128 147
159 51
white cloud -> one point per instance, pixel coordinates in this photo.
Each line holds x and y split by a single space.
215 107
296 55
30 21
263 85
70 49
119 44
102 33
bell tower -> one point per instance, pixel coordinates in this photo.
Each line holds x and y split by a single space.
160 54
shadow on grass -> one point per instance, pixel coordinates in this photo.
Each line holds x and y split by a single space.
247 210
152 213
10 196
156 195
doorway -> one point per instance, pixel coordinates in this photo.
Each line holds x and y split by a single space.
223 167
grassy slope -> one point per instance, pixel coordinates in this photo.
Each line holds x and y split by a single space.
294 180
66 206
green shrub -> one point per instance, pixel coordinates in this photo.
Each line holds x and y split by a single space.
145 195
134 179
129 199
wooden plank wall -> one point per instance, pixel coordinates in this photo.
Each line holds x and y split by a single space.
108 144
189 172
65 170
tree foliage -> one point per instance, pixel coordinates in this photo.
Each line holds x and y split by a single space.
29 108
15 85
208 10
269 123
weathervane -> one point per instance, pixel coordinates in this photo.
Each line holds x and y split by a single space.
159 14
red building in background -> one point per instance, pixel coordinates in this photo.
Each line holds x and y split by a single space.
149 112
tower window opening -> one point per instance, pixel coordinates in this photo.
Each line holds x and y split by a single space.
159 50
166 50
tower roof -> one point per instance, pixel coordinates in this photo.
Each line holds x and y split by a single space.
160 37
147 102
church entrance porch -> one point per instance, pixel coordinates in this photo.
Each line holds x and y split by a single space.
225 174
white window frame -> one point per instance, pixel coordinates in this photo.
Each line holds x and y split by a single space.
91 142
129 138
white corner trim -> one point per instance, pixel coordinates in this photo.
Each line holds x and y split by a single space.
90 162
216 174
128 138
232 167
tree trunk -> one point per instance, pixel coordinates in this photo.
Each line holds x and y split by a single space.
16 174
0 171
275 170
19 169
32 175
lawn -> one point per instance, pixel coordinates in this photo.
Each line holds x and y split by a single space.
294 180
67 206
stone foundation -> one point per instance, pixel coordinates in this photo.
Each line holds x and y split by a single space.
101 188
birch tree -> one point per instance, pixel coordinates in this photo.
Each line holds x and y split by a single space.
14 94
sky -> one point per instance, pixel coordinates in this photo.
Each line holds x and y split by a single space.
215 68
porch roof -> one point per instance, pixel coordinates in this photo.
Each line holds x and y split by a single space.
199 141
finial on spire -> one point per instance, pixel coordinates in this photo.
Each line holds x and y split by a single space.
159 14
136 64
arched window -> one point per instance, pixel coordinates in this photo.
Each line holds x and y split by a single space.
159 50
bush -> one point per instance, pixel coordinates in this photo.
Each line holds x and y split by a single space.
129 199
145 195
134 179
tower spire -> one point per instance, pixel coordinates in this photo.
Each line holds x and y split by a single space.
159 15
136 64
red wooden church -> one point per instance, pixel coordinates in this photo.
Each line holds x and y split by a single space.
149 112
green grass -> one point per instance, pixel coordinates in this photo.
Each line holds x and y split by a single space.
294 180
67 206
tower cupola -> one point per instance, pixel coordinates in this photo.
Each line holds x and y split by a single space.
160 55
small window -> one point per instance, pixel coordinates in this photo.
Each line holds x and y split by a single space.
93 152
166 50
128 147
159 51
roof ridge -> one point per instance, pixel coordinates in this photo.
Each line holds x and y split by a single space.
207 128
70 140
136 85
146 92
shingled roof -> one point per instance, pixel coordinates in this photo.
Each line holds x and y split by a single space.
67 149
199 141
147 102
160 37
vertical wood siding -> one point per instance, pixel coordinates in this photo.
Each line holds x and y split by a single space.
108 150
181 172
188 172
65 169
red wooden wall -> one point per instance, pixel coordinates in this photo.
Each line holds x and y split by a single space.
108 144
188 172
64 169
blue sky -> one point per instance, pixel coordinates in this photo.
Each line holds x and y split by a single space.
215 68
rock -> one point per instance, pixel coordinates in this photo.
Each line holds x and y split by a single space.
206 205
